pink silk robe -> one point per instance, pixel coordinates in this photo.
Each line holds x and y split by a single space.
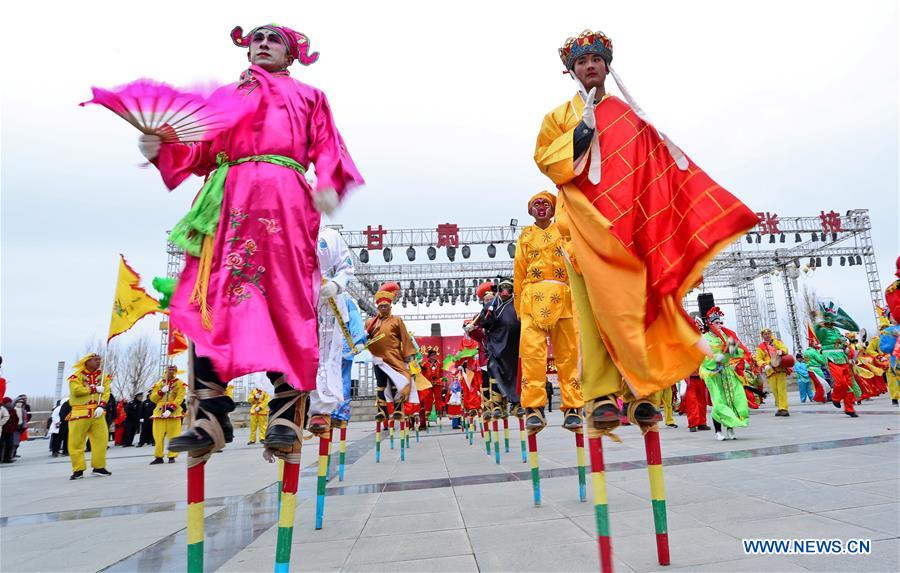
264 281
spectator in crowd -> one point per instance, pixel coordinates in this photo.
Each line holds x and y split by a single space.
132 419
23 411
64 410
549 388
9 430
53 430
147 408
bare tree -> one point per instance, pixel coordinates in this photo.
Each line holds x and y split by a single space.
810 306
132 368
139 368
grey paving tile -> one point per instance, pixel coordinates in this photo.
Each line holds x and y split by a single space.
502 515
410 546
688 547
541 556
735 509
401 524
454 564
884 518
549 532
803 526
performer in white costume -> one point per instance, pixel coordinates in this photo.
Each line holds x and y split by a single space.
336 266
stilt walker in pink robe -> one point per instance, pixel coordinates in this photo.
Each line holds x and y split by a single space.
247 296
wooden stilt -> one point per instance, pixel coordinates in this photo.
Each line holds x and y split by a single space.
496 433
535 470
195 514
601 510
342 451
657 494
506 435
402 442
322 480
378 441
579 450
286 513
522 439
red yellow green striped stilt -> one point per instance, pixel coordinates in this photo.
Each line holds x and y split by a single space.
496 433
657 494
406 432
601 509
322 480
579 450
342 451
471 430
535 471
506 435
486 436
287 513
377 441
522 439
195 510
391 435
402 442
330 444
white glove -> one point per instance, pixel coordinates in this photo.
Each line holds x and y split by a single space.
359 348
328 290
325 201
587 116
149 146
98 413
719 358
469 327
166 414
99 389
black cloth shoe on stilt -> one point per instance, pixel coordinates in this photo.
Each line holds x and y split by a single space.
572 420
282 431
534 419
156 461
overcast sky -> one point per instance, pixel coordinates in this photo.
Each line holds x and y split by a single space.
791 105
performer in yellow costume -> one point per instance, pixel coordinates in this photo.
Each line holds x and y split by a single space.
769 348
168 394
643 221
545 310
88 395
259 414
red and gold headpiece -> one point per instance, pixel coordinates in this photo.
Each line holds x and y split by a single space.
587 42
297 43
483 289
714 314
387 293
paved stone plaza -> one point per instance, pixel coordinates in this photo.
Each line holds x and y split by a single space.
449 507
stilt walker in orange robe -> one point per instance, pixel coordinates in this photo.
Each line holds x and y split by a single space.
641 222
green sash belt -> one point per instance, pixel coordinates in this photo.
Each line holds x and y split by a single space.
203 218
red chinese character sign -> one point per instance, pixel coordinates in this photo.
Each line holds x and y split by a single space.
375 237
831 221
448 235
768 223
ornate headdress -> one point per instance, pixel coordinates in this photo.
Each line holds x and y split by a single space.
766 330
505 283
484 288
714 314
587 42
542 195
297 44
387 293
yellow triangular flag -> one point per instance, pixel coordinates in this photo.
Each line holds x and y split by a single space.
132 302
